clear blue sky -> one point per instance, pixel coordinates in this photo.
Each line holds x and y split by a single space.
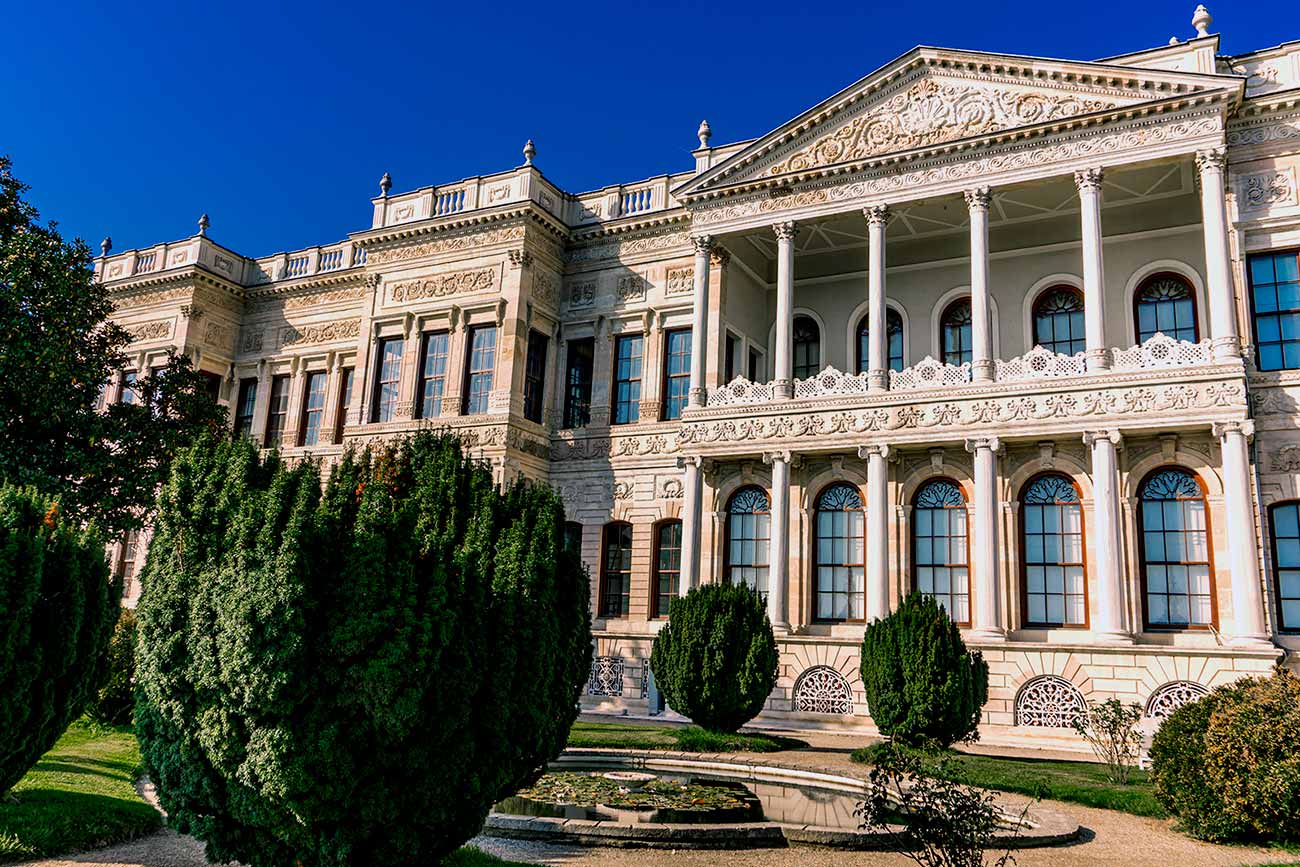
278 119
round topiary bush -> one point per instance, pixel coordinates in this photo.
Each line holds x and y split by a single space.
923 687
715 660
1228 765
115 701
57 608
353 676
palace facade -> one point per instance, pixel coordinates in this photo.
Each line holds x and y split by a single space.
1018 332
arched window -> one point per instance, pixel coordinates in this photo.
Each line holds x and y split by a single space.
1286 563
1178 589
1165 304
840 552
893 330
941 561
749 529
667 566
616 570
807 348
1052 527
1058 320
955 333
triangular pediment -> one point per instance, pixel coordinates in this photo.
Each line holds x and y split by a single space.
934 97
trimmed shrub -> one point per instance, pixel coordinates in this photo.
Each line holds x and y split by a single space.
353 676
923 687
715 660
57 608
115 702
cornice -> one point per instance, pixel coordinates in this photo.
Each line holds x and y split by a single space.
306 285
193 274
465 220
632 225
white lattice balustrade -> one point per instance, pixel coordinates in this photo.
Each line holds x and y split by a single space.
1161 351
1039 363
930 373
740 391
830 383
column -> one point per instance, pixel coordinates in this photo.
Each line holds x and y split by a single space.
652 370
700 319
877 590
1248 629
986 618
877 327
977 200
1218 267
783 378
1088 183
692 523
778 557
1106 603
293 417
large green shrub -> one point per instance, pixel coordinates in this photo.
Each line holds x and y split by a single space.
57 607
715 660
1228 765
353 676
115 700
923 687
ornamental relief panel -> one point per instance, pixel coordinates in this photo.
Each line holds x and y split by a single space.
635 246
1268 189
344 329
569 448
446 245
581 294
160 329
681 281
443 285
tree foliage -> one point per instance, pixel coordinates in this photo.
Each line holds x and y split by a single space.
57 609
922 685
1111 728
114 703
716 658
58 349
353 676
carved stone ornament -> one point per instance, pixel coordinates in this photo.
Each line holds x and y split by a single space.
447 245
1265 189
1286 459
681 281
631 287
1049 702
582 294
822 689
158 330
345 329
458 283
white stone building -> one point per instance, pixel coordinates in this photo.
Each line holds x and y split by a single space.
1020 332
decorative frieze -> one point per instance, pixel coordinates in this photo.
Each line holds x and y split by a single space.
681 281
443 285
447 245
582 294
574 448
631 288
318 299
632 247
160 329
343 329
546 289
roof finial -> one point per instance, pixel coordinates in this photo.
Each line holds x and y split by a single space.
1201 20
385 184
106 245
704 133
1173 40
204 222
530 151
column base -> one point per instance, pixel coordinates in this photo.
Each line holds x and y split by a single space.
877 380
1114 638
981 371
987 634
782 389
697 397
1097 359
1225 348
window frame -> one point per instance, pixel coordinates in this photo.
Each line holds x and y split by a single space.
474 376
727 564
1275 567
535 353
129 385
863 329
1036 339
273 432
1137 303
424 378
795 345
626 588
668 378
815 583
245 394
634 405
378 406
1254 313
658 610
577 395
1024 554
304 423
913 563
347 380
1147 626
969 345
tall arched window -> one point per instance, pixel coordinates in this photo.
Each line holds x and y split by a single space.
893 330
1058 320
1286 563
840 551
1178 588
807 348
749 529
941 561
1166 304
667 566
616 570
955 333
1052 527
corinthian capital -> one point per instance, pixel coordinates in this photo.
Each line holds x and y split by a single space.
720 255
1245 427
1088 180
877 215
1211 160
785 231
974 444
702 243
978 199
881 449
1094 436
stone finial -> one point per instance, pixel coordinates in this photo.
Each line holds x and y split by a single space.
530 151
704 133
204 222
106 245
385 184
1201 20
1173 40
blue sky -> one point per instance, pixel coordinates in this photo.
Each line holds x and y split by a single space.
279 119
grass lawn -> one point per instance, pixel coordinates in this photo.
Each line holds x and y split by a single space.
471 856
80 795
692 739
1077 782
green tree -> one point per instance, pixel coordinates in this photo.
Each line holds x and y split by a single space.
353 675
58 347
57 609
716 658
922 685
115 701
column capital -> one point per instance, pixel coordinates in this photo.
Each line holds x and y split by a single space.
702 243
1093 436
782 455
877 215
994 444
520 258
683 461
720 255
880 449
1245 427
1211 159
785 231
978 199
1089 180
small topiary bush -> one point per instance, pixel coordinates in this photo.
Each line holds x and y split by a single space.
57 608
1228 765
352 677
923 687
716 659
115 701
